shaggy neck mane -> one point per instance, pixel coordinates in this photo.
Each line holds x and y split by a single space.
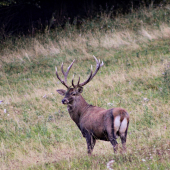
78 108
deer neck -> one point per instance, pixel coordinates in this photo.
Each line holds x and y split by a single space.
77 109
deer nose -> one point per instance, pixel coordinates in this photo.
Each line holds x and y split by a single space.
64 101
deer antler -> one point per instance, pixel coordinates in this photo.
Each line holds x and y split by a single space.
64 73
98 65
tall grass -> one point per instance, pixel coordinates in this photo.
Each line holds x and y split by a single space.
36 131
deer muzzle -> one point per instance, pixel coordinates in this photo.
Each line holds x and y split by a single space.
65 101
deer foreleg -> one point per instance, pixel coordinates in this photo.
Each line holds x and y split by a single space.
93 142
90 141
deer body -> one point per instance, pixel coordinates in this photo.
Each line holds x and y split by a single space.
95 123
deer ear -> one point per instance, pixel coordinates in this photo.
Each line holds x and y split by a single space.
80 89
61 92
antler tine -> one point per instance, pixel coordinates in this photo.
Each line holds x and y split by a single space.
68 69
98 65
89 78
73 82
60 78
78 82
64 73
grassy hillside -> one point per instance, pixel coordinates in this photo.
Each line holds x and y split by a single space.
36 131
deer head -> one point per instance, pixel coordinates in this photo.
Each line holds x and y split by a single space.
74 91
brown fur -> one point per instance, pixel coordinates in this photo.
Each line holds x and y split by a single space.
95 123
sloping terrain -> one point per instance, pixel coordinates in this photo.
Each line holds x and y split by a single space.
36 131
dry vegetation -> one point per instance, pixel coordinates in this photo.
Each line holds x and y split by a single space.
36 131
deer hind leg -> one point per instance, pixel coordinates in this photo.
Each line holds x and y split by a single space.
123 140
112 137
114 143
109 126
123 133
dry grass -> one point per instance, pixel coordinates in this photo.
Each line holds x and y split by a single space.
36 131
118 39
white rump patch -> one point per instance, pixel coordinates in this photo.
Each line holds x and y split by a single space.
116 124
123 126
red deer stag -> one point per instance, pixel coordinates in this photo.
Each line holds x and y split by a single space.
94 122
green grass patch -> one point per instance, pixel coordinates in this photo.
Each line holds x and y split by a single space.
36 131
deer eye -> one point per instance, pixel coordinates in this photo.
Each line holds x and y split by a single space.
73 93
